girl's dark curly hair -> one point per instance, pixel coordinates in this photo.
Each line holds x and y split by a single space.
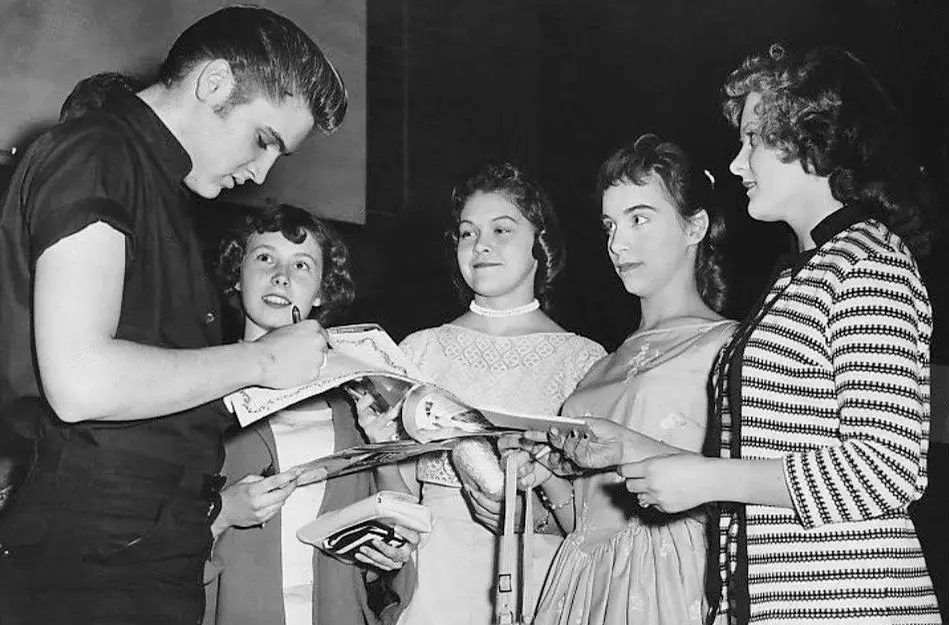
691 190
509 181
825 109
336 290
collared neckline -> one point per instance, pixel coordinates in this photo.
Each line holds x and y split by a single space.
828 227
838 221
171 155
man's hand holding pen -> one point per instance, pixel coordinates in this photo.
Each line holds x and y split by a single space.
292 355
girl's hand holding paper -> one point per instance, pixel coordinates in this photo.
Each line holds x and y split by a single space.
531 471
603 446
253 500
378 428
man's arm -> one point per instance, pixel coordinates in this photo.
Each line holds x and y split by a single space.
88 374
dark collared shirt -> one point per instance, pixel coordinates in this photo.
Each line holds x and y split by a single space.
121 166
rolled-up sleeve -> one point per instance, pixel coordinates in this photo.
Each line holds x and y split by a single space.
82 181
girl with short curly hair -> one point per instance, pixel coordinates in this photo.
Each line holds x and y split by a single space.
279 265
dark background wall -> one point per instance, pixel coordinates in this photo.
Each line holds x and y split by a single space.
556 85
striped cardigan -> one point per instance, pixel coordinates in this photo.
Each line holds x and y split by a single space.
835 382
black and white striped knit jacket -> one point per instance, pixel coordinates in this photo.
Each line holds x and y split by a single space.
835 382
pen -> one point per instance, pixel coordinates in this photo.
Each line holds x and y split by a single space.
295 315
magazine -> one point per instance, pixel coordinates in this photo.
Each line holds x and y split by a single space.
364 351
364 359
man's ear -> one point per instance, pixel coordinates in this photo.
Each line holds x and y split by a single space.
317 301
696 227
237 286
214 83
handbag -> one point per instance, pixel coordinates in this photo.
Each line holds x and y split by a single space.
342 532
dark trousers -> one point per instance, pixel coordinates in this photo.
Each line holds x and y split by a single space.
101 536
37 589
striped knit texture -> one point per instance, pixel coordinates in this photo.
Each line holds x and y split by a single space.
835 381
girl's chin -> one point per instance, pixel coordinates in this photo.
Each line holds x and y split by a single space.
267 323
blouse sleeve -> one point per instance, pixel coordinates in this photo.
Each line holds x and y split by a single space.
878 336
588 354
414 347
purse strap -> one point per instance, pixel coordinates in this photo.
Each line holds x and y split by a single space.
527 588
505 593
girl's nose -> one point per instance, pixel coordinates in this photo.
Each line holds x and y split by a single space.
482 244
616 243
739 164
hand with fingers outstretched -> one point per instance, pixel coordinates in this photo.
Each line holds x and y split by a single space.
606 444
603 445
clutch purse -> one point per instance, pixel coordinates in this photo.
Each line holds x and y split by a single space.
342 532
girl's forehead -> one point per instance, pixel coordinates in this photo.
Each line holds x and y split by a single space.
626 194
490 205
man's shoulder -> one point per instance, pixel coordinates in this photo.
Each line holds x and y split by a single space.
89 149
94 135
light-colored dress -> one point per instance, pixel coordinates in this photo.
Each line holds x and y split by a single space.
530 373
624 564
299 436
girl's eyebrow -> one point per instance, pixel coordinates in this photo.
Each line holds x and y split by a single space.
502 217
258 246
307 255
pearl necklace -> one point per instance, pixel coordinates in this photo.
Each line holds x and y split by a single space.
503 313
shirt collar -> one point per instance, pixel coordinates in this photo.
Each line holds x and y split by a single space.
838 221
169 152
829 227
